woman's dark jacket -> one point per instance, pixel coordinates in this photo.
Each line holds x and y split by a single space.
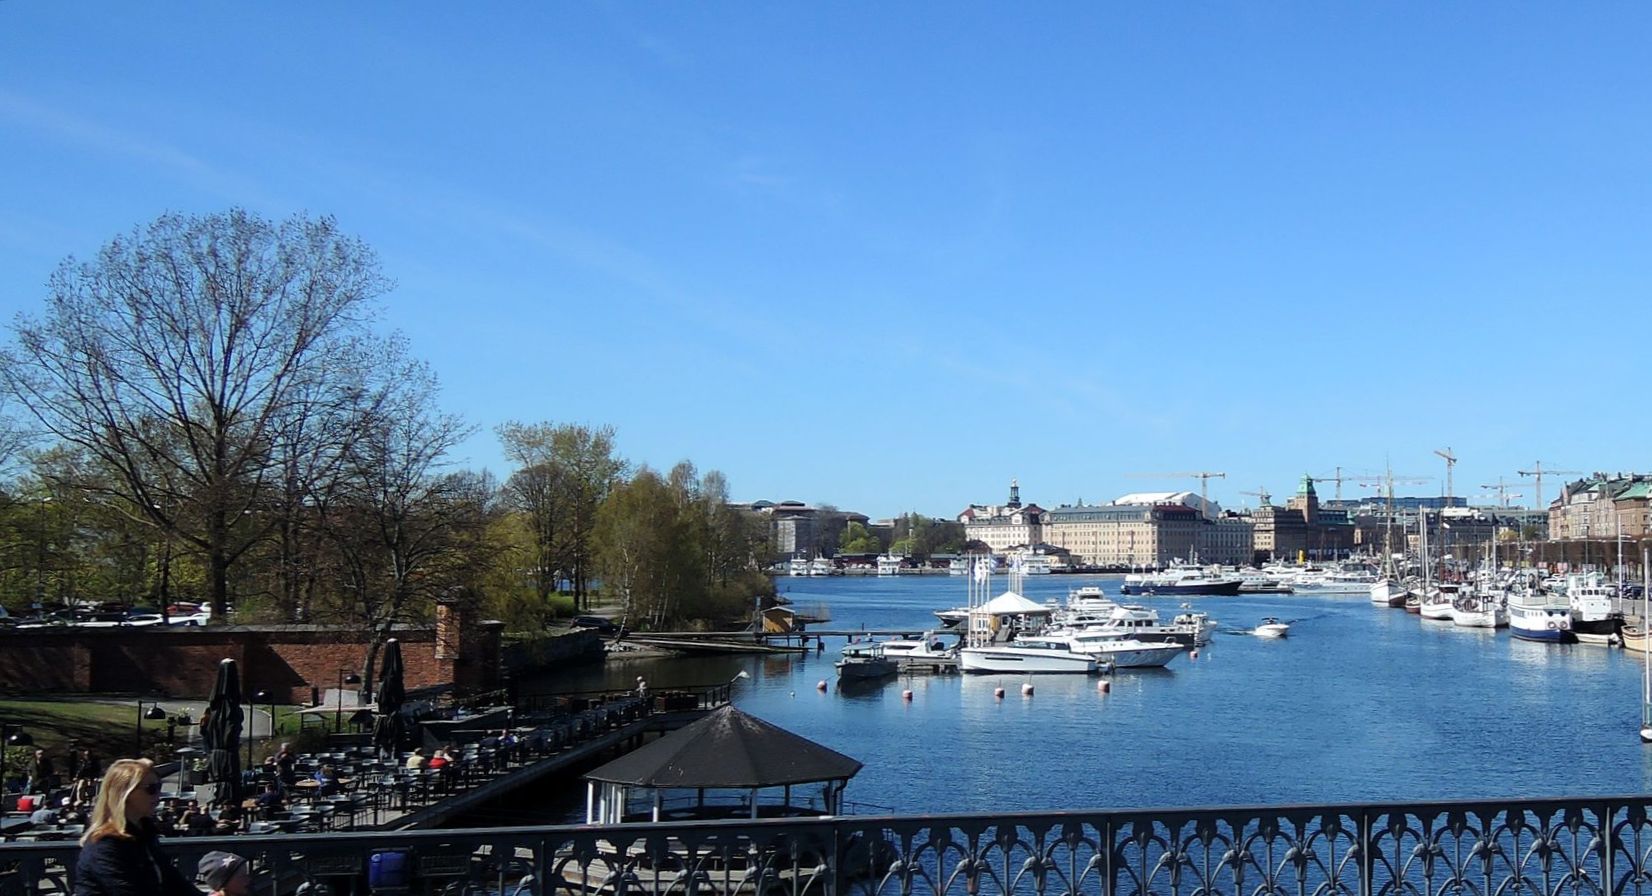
134 866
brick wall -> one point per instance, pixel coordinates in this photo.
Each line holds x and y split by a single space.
287 660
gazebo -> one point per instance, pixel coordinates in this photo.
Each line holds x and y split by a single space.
727 750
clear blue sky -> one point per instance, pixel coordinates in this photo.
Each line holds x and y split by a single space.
889 256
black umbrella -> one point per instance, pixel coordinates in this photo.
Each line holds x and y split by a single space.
222 731
387 728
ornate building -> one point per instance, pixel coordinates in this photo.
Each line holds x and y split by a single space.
1004 526
1302 528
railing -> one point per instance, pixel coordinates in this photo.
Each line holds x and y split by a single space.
1577 847
552 705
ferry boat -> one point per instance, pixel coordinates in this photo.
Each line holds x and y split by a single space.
1539 616
1594 621
1181 580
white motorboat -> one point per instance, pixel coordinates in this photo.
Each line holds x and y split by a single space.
1026 657
1594 619
930 647
822 566
1116 649
951 618
1140 623
1182 580
889 565
1352 579
1272 628
797 566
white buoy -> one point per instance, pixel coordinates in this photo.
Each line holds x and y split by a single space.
821 686
1027 689
1194 655
998 693
907 695
1104 686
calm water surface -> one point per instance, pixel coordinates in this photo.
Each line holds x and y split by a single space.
1358 704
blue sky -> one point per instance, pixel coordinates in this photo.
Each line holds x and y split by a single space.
889 256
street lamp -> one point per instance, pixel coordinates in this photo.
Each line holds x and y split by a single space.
257 698
155 714
345 676
11 736
40 552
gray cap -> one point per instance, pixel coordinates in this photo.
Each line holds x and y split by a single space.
218 867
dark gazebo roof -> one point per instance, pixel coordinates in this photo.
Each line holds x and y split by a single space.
727 749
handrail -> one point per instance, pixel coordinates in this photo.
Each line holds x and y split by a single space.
1589 846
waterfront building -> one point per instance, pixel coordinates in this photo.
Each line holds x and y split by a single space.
796 529
1600 506
1120 534
1004 526
1302 528
1229 539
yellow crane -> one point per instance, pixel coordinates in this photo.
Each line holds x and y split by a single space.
1451 461
1201 475
1538 472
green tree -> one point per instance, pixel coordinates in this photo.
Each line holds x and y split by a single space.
857 539
177 358
564 473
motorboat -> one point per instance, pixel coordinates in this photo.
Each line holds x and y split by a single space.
1118 650
1354 579
822 566
951 618
1271 628
1437 605
928 650
865 662
1031 656
1142 624
797 566
1182 580
1089 599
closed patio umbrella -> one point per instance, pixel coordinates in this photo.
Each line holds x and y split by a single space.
387 728
222 732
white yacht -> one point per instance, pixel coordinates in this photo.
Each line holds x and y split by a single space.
1349 579
1182 580
1030 656
889 565
822 566
797 566
1139 623
1115 648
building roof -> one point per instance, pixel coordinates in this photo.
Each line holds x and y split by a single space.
1638 490
727 749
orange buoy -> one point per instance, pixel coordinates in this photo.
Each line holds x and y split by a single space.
998 693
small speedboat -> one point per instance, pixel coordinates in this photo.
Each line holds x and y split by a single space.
1272 628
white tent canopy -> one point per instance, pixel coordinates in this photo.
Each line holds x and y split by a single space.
1012 604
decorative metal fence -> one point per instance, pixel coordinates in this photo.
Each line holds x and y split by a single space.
1558 847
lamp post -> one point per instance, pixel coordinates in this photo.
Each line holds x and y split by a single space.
40 551
257 698
154 713
11 736
345 676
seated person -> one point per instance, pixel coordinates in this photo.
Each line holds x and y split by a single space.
417 760
269 802
229 819
195 822
327 777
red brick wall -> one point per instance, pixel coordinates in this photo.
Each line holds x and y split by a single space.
182 662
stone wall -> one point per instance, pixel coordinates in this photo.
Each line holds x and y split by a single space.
289 661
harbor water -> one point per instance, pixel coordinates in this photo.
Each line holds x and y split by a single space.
1358 704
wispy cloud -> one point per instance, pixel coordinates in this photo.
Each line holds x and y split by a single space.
63 127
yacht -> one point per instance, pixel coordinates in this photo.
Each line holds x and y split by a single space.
1139 623
1181 580
951 618
797 566
1027 656
928 648
889 565
1114 648
822 566
1353 579
1030 563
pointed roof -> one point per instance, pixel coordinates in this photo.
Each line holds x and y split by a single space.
727 749
1011 604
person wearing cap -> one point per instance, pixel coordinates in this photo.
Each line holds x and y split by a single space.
120 853
225 874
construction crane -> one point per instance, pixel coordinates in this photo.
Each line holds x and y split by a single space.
1538 472
1261 494
1203 477
1451 461
1503 493
1338 479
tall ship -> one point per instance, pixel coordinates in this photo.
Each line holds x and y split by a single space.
1182 580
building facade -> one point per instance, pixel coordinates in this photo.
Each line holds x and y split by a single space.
1125 535
1004 526
1601 507
1302 528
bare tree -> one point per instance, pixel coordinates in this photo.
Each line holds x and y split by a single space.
565 472
179 357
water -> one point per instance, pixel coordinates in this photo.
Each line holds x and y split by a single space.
1359 704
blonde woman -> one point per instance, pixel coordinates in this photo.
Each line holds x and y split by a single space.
120 854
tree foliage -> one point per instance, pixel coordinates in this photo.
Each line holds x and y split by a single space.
184 353
564 473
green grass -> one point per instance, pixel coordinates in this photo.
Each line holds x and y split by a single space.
109 729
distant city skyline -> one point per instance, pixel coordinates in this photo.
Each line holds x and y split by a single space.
890 258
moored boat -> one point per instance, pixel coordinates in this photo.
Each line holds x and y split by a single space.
1182 580
1539 616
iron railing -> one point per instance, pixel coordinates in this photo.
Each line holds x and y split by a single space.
1519 847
